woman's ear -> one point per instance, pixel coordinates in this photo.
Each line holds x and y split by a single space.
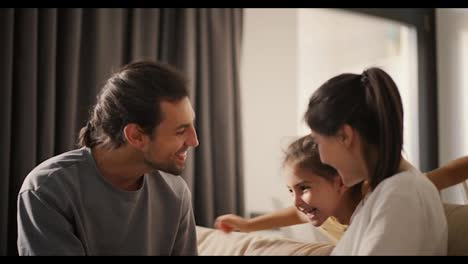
346 135
134 135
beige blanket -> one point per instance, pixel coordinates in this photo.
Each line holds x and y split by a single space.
215 242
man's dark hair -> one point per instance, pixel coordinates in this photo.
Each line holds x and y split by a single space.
132 95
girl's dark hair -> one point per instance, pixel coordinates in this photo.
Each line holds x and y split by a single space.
132 95
304 154
371 104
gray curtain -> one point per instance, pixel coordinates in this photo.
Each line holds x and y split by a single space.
53 62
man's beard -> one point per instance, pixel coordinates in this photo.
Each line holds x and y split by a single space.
168 167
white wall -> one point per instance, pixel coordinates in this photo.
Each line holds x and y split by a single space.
452 76
269 87
335 41
269 103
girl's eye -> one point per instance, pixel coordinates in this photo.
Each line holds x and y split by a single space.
303 188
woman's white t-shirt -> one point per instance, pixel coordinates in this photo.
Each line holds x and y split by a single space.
402 216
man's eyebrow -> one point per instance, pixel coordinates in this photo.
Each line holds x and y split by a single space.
186 125
182 126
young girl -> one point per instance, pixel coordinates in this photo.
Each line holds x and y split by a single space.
317 190
357 123
302 164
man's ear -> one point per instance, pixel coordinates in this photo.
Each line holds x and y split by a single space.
134 135
346 135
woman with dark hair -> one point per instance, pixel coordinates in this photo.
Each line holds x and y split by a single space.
357 122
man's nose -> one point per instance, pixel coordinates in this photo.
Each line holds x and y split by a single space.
193 139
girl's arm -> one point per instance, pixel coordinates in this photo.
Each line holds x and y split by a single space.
451 173
280 218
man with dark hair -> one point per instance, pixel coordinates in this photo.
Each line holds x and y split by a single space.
118 193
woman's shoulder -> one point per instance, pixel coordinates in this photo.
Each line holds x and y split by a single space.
409 184
408 176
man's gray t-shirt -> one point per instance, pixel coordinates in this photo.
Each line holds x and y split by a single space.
65 207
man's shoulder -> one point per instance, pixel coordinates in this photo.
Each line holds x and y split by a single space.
54 168
170 178
174 183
